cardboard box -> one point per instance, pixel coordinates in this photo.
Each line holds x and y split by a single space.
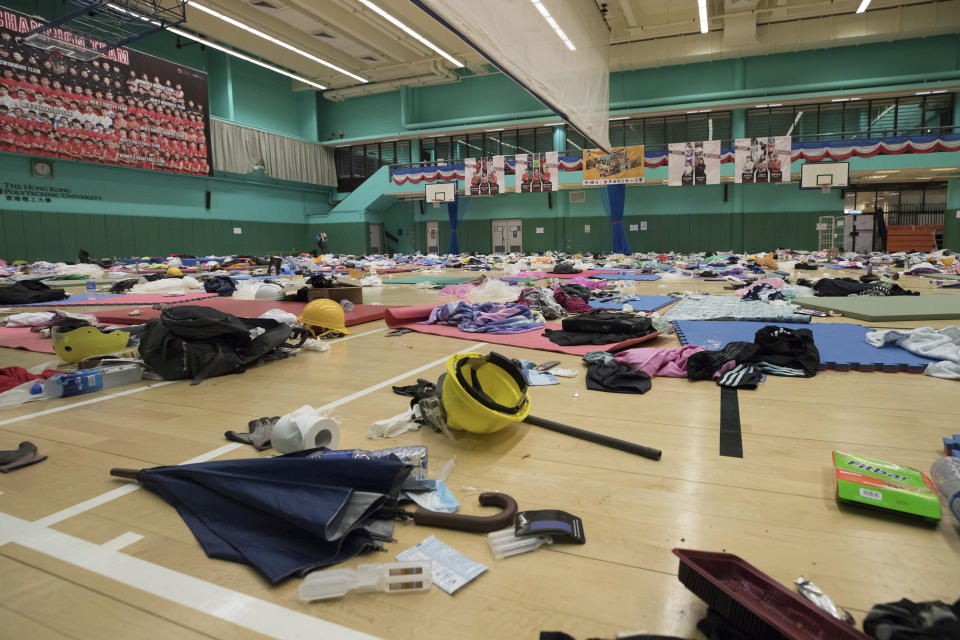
353 294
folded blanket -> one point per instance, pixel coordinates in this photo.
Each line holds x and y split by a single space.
486 317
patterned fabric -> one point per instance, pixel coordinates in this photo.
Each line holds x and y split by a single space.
731 308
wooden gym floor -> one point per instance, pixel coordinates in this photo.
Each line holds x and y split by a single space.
85 556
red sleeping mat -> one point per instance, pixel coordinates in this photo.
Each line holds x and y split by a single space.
408 317
23 338
244 308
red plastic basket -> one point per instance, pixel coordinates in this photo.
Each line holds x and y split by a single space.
756 603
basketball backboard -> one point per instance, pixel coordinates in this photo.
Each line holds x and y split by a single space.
440 192
825 175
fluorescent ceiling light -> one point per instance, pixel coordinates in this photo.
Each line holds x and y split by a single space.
880 175
553 24
863 6
492 130
621 118
553 124
939 91
213 45
410 32
945 169
702 6
275 41
779 104
922 93
888 171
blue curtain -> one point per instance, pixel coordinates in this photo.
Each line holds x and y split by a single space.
614 200
452 210
456 211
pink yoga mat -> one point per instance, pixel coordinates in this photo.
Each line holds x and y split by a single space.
244 308
408 317
23 338
81 300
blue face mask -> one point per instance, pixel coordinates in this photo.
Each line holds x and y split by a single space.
440 499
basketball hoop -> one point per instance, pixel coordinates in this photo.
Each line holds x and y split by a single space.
825 188
437 199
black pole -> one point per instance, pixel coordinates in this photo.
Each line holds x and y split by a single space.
590 436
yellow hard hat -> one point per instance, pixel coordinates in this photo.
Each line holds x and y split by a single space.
174 271
78 344
322 317
18 263
482 393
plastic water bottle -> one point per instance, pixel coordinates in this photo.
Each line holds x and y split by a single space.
347 305
946 473
91 289
64 385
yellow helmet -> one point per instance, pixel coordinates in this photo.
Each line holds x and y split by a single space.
74 345
322 317
174 272
482 393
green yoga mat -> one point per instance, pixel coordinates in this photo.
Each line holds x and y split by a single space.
941 276
887 309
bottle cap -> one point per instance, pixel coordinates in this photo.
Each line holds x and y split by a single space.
36 390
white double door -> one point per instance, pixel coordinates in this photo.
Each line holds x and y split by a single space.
508 235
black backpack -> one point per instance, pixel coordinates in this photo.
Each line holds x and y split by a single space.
196 342
224 286
29 292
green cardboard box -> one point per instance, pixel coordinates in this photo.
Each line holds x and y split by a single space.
885 485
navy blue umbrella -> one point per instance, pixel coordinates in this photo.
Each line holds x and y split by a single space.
284 516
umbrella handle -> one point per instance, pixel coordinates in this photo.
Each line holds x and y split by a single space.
127 474
476 524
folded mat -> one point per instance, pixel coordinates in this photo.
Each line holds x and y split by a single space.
842 347
732 308
408 317
244 308
622 276
933 276
642 303
120 299
889 308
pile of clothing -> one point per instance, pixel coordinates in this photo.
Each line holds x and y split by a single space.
600 327
556 300
832 287
487 317
29 292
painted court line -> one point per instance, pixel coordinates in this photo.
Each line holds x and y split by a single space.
119 492
232 606
121 541
82 403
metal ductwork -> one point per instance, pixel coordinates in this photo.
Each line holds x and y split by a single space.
438 75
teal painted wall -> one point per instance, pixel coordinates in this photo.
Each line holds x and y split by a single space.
495 100
754 218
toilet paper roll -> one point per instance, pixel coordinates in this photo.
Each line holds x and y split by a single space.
305 432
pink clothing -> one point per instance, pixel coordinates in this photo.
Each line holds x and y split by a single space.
589 283
776 283
668 363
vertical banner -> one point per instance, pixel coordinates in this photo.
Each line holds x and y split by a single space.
763 159
537 172
484 176
623 165
693 163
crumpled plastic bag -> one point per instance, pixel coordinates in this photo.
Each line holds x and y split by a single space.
392 427
315 344
371 281
280 316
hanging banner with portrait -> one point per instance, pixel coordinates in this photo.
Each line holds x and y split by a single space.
537 172
484 176
693 163
763 159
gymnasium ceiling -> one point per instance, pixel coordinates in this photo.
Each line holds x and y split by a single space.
643 33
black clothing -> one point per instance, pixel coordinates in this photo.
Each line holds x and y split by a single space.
599 327
616 378
702 365
28 292
907 620
828 287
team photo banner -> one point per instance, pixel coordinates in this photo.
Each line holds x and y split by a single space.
763 159
125 108
623 165
484 176
693 163
537 172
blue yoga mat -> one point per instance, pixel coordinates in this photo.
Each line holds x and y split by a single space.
842 346
625 276
73 299
643 303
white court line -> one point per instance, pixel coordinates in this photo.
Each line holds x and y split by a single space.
232 606
246 611
82 403
119 492
137 390
121 541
